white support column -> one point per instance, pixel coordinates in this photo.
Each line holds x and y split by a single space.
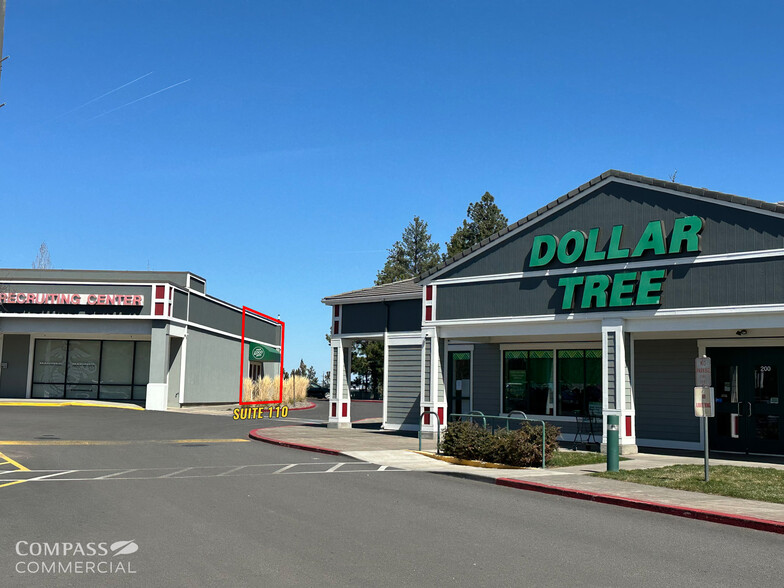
158 387
432 397
340 395
617 395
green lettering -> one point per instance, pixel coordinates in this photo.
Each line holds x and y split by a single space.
569 284
590 249
649 291
653 239
623 284
614 250
686 229
595 291
537 257
564 255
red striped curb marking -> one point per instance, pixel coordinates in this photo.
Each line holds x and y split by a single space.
255 434
680 511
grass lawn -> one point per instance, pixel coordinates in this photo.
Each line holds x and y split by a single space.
766 484
562 459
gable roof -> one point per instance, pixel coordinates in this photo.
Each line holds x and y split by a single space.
402 290
612 173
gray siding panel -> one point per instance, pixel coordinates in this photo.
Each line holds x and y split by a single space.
180 309
403 380
405 315
363 318
487 378
16 354
663 389
334 375
611 398
211 368
428 364
209 313
371 317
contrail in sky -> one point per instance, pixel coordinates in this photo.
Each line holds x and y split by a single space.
142 98
101 96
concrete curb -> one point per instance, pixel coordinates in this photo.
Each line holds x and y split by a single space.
679 511
256 435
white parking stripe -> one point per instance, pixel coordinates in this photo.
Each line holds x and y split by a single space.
333 468
114 474
51 475
288 467
231 471
169 475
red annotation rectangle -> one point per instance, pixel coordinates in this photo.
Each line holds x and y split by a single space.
246 310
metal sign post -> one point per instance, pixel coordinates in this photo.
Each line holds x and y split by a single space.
704 401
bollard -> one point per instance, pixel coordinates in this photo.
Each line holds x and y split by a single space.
612 442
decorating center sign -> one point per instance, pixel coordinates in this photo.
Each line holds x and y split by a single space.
627 288
71 299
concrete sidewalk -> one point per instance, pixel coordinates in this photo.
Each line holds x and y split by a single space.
392 449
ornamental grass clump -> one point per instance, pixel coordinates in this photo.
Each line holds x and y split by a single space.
295 389
521 448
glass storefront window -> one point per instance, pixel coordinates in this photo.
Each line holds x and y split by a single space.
528 381
49 368
117 362
86 369
579 380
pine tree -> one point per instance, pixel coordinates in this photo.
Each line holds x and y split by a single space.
485 219
414 254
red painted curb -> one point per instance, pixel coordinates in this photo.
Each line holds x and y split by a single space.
312 405
680 511
254 434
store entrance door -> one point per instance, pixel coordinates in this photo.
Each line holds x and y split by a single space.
459 398
747 385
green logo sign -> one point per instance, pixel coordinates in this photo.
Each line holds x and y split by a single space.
627 288
259 352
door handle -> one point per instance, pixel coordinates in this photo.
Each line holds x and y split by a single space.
749 403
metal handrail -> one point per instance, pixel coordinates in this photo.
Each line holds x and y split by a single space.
525 416
507 419
438 430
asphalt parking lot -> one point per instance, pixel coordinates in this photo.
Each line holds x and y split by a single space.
201 505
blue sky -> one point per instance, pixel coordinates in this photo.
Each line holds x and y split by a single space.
308 134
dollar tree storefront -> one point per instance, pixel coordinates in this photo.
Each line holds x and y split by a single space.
596 304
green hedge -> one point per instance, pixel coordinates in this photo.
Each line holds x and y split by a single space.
522 448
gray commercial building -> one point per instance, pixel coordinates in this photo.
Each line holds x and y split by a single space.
596 304
154 338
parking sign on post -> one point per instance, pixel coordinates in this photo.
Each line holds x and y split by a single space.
702 371
703 401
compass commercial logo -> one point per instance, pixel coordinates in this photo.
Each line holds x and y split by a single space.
92 557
